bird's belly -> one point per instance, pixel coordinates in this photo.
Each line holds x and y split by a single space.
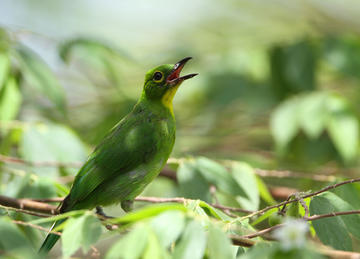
129 185
126 185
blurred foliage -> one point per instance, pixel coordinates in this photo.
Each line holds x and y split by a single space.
278 89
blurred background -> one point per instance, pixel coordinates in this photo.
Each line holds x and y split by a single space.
278 85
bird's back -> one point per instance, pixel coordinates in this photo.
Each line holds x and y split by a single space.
128 158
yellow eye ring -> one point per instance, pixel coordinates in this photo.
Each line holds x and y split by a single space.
158 76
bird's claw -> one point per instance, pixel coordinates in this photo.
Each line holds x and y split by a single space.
100 212
127 205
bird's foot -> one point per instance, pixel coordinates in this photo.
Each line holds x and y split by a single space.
127 205
100 212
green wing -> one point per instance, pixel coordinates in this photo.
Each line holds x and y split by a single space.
132 142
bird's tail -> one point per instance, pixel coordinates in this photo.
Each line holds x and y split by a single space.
50 239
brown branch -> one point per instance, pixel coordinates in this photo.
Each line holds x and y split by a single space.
28 205
332 214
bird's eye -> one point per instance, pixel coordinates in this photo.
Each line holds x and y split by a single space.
158 76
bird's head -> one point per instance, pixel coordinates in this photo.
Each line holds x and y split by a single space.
162 82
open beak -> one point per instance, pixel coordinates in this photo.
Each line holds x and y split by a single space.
174 78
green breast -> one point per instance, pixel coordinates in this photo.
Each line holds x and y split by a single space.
129 158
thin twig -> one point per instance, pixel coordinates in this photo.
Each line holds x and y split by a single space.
311 218
332 214
38 205
18 222
303 204
29 212
182 200
262 232
333 186
291 174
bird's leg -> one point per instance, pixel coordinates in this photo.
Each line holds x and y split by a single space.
127 205
100 212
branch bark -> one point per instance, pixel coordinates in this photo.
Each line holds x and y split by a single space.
28 205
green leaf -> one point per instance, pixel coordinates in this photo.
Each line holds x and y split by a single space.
284 123
245 177
61 189
10 100
275 219
264 216
214 212
153 248
131 246
352 222
82 231
192 184
343 54
219 245
11 237
4 67
71 237
349 193
264 192
91 232
40 187
217 175
147 212
260 250
90 47
100 57
192 243
313 114
58 217
54 143
293 210
194 205
39 75
203 209
331 231
343 128
168 227
293 68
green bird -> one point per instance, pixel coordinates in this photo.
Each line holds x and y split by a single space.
133 153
